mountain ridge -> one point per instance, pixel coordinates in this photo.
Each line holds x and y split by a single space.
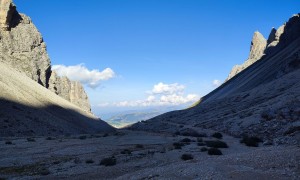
261 100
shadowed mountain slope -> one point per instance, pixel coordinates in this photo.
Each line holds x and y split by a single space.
263 99
27 108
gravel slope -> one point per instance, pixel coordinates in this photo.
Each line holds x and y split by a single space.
27 108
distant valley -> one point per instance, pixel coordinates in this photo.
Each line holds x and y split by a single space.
125 118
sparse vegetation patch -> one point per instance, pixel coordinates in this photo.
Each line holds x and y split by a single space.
140 146
8 142
82 137
126 151
250 141
214 151
216 144
217 135
186 157
89 161
111 161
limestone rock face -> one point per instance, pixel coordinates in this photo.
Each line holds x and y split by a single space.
70 90
22 47
258 46
285 34
278 39
21 44
274 38
7 10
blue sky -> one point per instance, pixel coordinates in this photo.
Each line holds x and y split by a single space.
179 43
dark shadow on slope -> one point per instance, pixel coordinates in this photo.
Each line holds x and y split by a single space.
280 58
21 120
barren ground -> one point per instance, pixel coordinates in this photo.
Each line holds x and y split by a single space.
155 158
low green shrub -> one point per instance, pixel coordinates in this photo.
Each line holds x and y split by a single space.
82 137
140 146
216 144
251 141
217 135
8 142
214 151
89 161
126 151
111 161
50 138
44 172
186 157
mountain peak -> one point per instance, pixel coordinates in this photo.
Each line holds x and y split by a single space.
272 35
257 49
258 45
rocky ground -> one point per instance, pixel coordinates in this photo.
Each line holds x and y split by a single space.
142 155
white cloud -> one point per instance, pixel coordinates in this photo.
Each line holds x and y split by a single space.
175 99
79 72
151 98
162 95
162 88
216 83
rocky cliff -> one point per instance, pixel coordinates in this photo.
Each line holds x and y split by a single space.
23 48
21 44
258 46
277 40
70 90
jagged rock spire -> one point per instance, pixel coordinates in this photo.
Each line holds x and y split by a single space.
257 49
275 35
272 36
258 46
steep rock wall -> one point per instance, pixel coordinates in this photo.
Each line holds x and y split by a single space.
23 48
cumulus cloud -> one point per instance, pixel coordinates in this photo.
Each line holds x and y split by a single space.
151 98
161 95
162 88
216 83
79 72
